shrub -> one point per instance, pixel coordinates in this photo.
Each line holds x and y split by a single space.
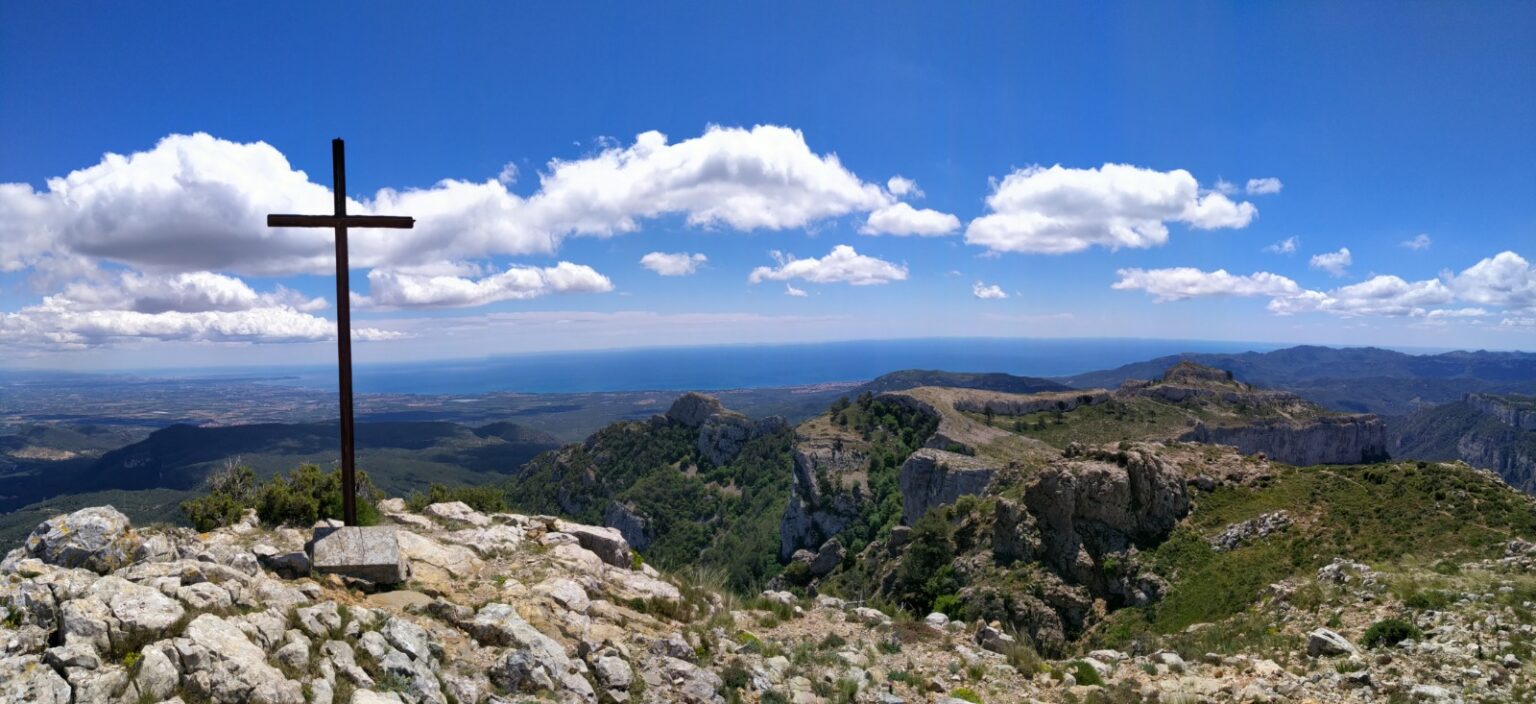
485 499
231 490
1389 632
965 694
735 675
1084 673
304 496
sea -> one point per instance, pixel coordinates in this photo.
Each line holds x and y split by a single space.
737 366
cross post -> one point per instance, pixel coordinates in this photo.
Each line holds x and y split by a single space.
341 221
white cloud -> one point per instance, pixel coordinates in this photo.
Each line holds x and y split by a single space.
902 187
195 202
1506 280
841 265
986 292
1335 263
190 307
903 220
1383 295
1058 210
1186 282
1224 187
392 289
1458 313
673 263
790 290
1264 186
1285 246
1419 243
508 175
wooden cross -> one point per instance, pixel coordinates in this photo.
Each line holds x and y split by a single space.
341 221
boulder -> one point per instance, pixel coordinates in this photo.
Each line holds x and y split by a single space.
372 554
457 511
99 539
827 558
1326 642
607 543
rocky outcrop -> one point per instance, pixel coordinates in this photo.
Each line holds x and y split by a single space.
1518 412
635 528
98 539
1018 405
932 478
1346 439
722 433
818 508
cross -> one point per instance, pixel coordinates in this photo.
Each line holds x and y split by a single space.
341 221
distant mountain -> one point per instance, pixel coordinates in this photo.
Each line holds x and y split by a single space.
1483 430
994 381
1362 379
398 456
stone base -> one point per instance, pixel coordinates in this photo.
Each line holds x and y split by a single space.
371 554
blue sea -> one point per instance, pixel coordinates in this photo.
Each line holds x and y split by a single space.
744 366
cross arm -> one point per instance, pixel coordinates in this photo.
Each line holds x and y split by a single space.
386 221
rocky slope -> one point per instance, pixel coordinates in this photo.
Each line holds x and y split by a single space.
509 608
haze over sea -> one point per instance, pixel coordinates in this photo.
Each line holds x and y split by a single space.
735 366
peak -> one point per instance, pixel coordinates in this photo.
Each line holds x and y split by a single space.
692 408
1187 372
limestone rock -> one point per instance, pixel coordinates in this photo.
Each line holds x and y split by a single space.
607 543
372 553
932 478
1326 642
233 669
97 538
691 409
635 528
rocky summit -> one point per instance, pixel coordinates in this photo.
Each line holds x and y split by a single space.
508 608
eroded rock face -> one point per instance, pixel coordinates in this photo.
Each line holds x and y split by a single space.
812 516
1517 413
722 434
635 528
932 478
1348 439
98 539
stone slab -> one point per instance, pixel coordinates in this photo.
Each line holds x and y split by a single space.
369 553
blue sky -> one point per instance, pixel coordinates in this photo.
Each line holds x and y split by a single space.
1379 123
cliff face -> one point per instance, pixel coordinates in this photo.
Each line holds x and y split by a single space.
1324 440
934 477
820 509
1502 452
1518 412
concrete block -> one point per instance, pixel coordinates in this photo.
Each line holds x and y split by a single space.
368 553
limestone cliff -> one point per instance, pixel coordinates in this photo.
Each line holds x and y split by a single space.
1518 412
1348 439
933 477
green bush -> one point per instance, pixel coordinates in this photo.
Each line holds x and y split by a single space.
965 694
301 498
1389 632
231 490
1084 673
485 499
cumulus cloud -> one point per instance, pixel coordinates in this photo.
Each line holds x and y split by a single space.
1059 210
1505 280
192 307
1285 246
1335 263
393 289
1384 295
1264 186
987 292
903 220
1419 243
673 263
841 265
1179 283
902 187
195 202
790 290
